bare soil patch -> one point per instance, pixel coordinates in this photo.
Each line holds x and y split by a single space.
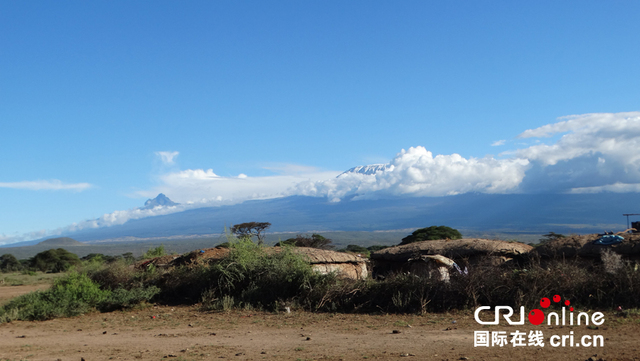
185 333
9 292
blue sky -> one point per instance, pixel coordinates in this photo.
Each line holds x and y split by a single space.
103 104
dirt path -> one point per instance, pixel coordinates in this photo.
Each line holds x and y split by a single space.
185 334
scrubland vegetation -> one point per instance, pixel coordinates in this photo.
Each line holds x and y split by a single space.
250 278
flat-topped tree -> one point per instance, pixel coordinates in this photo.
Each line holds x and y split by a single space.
250 229
431 234
313 241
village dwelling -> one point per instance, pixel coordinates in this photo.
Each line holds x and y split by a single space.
442 255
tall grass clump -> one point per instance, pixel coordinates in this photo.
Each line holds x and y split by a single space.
252 277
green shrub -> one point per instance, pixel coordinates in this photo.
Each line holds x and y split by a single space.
154 252
114 275
354 248
69 296
251 277
122 298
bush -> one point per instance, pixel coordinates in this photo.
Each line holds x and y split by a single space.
9 263
54 260
250 277
154 252
122 298
354 248
69 296
432 233
114 275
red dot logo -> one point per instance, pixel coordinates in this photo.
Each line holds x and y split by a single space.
567 303
545 303
571 309
556 298
536 317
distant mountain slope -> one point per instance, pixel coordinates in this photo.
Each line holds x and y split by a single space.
61 241
517 213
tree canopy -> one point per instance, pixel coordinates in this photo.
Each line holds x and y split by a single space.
250 229
54 260
313 241
9 263
432 233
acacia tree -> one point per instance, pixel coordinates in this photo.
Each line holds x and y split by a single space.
54 260
9 263
315 241
250 229
432 233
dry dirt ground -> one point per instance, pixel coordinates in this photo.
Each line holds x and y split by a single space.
8 292
186 333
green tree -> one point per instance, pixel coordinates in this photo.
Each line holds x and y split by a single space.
376 248
250 229
9 263
551 236
313 241
354 248
54 260
128 257
432 233
100 258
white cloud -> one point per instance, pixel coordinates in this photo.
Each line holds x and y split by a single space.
498 143
204 187
587 153
614 135
416 172
167 157
53 184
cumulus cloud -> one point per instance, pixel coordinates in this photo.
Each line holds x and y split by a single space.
498 143
167 158
587 153
599 151
53 184
416 172
204 187
616 136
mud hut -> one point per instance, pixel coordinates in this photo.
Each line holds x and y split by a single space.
346 265
159 262
201 256
587 246
323 261
431 266
462 251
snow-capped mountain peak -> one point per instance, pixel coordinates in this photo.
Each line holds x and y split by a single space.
370 169
160 200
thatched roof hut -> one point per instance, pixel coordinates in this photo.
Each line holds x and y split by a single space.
344 264
455 249
585 246
472 250
323 261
